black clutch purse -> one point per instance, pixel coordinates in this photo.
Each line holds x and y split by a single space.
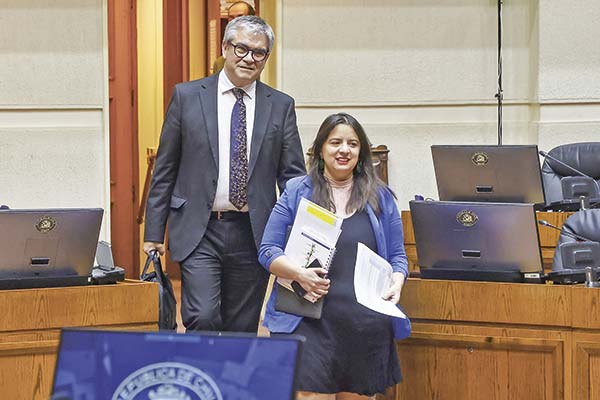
293 302
289 302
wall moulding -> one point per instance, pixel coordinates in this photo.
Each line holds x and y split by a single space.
51 118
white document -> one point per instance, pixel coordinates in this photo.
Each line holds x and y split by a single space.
314 235
372 279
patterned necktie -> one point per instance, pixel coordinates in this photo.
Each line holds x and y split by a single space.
238 163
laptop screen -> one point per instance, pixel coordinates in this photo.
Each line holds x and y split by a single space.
48 247
474 237
505 174
164 365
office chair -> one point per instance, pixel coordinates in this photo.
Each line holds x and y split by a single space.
562 183
578 247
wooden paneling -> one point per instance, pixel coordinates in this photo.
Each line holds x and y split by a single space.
586 371
176 61
487 340
380 161
55 308
504 302
175 46
586 307
30 327
491 366
122 53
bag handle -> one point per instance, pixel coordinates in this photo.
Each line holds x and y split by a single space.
153 258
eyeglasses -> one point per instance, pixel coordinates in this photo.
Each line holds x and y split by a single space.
242 51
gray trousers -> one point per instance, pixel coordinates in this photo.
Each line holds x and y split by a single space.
222 284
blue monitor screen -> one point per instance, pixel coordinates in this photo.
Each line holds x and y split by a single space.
101 365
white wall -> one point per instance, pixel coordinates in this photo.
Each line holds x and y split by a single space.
414 72
422 72
569 72
53 104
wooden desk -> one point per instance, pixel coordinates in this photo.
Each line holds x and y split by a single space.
487 340
30 325
548 237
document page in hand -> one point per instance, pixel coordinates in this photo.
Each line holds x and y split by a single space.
372 278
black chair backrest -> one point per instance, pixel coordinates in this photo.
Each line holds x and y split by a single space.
585 223
584 157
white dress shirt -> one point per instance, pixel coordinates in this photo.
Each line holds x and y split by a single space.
225 102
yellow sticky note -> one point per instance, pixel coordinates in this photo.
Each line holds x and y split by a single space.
321 213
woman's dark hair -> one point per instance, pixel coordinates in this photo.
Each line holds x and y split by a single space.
366 182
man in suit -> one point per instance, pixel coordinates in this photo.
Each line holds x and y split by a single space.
226 141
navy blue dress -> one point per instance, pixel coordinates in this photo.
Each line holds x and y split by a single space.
351 348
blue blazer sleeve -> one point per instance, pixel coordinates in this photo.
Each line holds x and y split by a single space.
282 217
394 233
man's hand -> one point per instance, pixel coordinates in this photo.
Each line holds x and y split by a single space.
149 246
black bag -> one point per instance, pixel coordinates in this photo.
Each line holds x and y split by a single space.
294 302
167 317
291 303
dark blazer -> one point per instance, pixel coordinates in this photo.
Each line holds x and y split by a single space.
184 181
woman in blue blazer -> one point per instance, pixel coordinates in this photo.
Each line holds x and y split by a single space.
350 351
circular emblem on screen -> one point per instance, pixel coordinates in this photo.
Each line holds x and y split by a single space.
467 218
168 381
45 224
479 158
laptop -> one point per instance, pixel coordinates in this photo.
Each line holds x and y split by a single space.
48 247
477 241
504 174
94 364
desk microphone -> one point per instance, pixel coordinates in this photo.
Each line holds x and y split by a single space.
578 172
563 231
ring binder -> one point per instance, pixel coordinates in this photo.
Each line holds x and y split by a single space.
311 244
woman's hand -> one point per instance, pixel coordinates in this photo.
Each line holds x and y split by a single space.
311 280
393 293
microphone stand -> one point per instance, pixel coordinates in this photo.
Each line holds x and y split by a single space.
562 231
500 94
